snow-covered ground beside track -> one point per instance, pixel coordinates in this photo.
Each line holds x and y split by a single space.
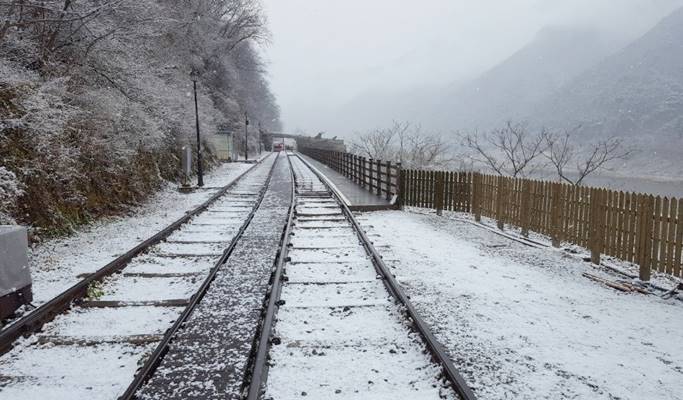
56 264
523 323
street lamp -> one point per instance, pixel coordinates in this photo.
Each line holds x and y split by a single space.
200 173
246 136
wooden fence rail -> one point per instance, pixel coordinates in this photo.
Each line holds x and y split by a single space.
377 176
639 228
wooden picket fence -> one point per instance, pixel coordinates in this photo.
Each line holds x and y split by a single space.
377 176
643 229
441 190
638 228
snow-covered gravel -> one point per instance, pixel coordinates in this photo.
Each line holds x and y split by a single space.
522 323
208 356
55 264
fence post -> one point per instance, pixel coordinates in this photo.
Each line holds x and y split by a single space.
401 188
476 193
678 243
555 210
644 236
389 180
500 202
379 178
597 222
370 175
361 171
525 204
344 158
438 193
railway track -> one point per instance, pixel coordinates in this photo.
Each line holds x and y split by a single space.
337 324
107 325
334 322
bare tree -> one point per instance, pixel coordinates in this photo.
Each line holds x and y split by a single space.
404 142
508 151
591 158
378 143
418 150
57 23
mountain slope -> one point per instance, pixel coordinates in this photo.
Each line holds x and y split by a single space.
636 93
509 90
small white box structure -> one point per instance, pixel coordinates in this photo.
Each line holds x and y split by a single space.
186 165
15 277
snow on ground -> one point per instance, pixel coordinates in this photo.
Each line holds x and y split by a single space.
68 357
56 264
522 323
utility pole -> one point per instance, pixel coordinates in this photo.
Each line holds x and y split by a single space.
200 172
246 136
260 138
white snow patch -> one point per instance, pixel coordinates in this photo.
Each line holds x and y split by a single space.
523 323
56 264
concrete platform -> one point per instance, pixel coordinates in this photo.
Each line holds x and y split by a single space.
357 198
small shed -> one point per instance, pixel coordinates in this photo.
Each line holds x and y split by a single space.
223 144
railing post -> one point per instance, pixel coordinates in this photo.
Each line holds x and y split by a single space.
476 194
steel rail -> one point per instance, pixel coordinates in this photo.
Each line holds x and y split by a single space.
153 361
258 372
46 312
435 348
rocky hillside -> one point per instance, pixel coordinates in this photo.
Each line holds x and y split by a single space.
95 98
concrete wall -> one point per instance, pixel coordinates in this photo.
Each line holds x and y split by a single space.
308 141
321 144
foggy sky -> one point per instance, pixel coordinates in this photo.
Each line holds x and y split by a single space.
326 52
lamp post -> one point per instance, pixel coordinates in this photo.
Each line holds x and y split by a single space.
246 136
200 172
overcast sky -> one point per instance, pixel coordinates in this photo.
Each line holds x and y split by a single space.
326 52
